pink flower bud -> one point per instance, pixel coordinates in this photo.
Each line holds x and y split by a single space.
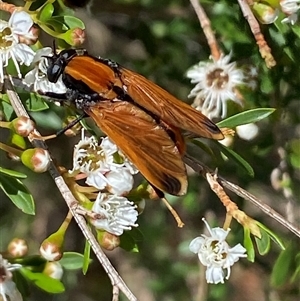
50 251
108 241
53 270
37 159
78 37
17 248
22 125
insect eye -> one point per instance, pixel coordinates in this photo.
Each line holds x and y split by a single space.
54 72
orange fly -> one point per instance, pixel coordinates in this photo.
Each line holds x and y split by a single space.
141 118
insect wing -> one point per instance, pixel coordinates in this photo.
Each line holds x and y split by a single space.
146 144
99 77
170 109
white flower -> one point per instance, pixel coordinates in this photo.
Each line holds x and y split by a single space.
38 75
98 163
8 289
18 25
247 131
117 214
290 8
214 253
215 84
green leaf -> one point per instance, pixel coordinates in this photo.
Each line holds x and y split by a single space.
203 146
248 244
73 22
7 109
43 281
236 158
86 259
128 242
72 261
272 235
282 268
18 193
263 243
12 173
245 117
33 102
46 12
64 23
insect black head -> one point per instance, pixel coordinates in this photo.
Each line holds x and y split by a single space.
58 62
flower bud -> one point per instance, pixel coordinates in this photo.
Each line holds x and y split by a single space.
77 36
50 251
107 240
53 270
265 13
17 248
37 159
247 131
22 125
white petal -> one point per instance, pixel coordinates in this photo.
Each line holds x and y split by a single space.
214 274
96 179
120 182
21 22
24 54
196 244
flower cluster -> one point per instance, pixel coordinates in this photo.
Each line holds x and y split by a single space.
216 83
17 29
104 165
106 168
214 253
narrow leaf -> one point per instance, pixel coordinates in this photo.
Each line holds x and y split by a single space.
248 244
236 158
245 117
282 268
12 173
263 243
86 257
272 235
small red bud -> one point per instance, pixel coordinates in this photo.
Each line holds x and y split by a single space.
17 248
78 36
37 159
22 125
50 251
108 241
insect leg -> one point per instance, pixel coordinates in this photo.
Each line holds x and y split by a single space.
71 124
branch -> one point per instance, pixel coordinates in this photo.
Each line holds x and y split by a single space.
208 32
264 49
71 201
202 169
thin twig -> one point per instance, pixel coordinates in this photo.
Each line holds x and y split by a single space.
202 169
71 201
264 49
208 32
